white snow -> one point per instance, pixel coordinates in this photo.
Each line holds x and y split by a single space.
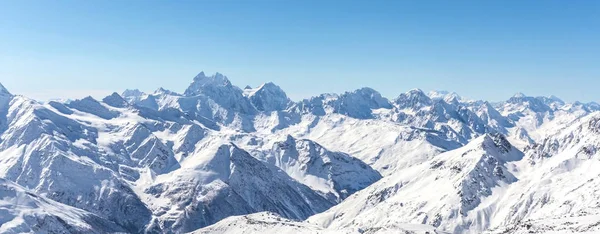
356 162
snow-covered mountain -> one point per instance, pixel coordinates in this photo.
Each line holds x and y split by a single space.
444 192
22 211
215 156
329 172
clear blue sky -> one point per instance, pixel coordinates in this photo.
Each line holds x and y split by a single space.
480 49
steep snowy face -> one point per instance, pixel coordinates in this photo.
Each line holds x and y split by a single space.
220 182
492 119
162 91
268 97
438 94
360 104
583 136
220 90
115 100
214 102
90 105
552 101
132 95
456 121
520 102
559 191
5 98
22 211
333 173
201 81
4 91
391 146
445 192
449 97
593 106
414 99
66 155
541 116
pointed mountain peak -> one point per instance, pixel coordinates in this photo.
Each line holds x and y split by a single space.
88 99
270 85
414 98
290 139
268 97
452 98
370 94
437 94
115 100
162 91
248 87
449 97
416 91
519 95
216 78
366 90
369 98
132 93
288 143
498 143
202 81
4 91
555 98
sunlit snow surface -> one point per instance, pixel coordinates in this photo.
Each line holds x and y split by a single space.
356 162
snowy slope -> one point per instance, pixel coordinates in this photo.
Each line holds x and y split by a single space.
22 211
221 181
443 192
271 223
329 172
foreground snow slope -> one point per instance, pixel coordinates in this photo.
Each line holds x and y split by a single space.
222 181
271 223
22 211
442 192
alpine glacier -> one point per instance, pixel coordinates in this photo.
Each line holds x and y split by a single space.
216 158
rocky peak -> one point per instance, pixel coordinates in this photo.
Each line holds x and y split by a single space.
115 100
519 95
499 141
90 105
132 93
357 104
218 88
375 99
4 91
532 103
163 91
339 174
414 98
268 97
201 81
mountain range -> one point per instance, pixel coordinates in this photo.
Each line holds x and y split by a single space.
216 158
